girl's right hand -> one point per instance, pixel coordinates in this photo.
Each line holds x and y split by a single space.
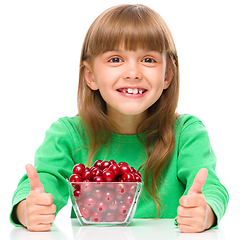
36 212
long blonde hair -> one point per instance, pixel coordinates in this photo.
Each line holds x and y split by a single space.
135 26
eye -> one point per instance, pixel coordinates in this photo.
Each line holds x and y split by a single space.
148 60
115 60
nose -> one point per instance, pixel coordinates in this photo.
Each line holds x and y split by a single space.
132 72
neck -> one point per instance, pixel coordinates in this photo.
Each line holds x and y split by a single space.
127 123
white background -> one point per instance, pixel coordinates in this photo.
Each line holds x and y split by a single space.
40 47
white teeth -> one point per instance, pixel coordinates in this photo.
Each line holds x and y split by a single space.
129 90
132 91
135 91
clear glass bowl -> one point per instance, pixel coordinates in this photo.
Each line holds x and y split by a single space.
105 203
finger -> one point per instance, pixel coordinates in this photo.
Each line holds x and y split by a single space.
198 183
39 227
41 209
186 211
35 183
44 227
41 219
190 224
46 218
45 210
189 221
187 229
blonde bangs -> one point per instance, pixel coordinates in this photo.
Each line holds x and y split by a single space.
132 27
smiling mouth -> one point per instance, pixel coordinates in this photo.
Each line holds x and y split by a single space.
132 90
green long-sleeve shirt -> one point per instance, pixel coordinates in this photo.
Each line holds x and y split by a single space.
62 148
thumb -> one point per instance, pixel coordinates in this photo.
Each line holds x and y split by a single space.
199 181
35 183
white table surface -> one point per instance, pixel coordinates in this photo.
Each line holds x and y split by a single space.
139 229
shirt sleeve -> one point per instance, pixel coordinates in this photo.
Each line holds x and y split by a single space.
195 152
54 161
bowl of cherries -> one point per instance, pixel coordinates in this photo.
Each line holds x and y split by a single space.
106 194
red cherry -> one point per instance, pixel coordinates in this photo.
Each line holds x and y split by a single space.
76 185
104 164
96 216
120 217
119 197
108 196
86 180
77 194
86 174
128 199
124 169
98 179
122 163
101 206
109 216
80 203
133 170
104 170
92 168
99 182
113 205
137 177
131 188
78 168
97 193
75 178
89 202
138 173
121 188
99 185
123 209
128 177
115 169
97 163
112 161
85 212
109 185
87 186
109 176
96 172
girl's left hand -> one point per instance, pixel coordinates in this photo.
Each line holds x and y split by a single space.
194 214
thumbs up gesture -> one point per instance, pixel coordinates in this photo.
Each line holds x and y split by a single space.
194 214
36 212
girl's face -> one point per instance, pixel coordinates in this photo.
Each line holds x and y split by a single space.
129 81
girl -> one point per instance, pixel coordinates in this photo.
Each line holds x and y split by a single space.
127 98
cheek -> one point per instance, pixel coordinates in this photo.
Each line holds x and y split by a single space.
156 76
157 81
158 86
106 79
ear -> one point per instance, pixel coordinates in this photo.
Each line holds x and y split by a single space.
88 76
168 78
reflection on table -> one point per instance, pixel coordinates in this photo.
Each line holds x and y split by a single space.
139 229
